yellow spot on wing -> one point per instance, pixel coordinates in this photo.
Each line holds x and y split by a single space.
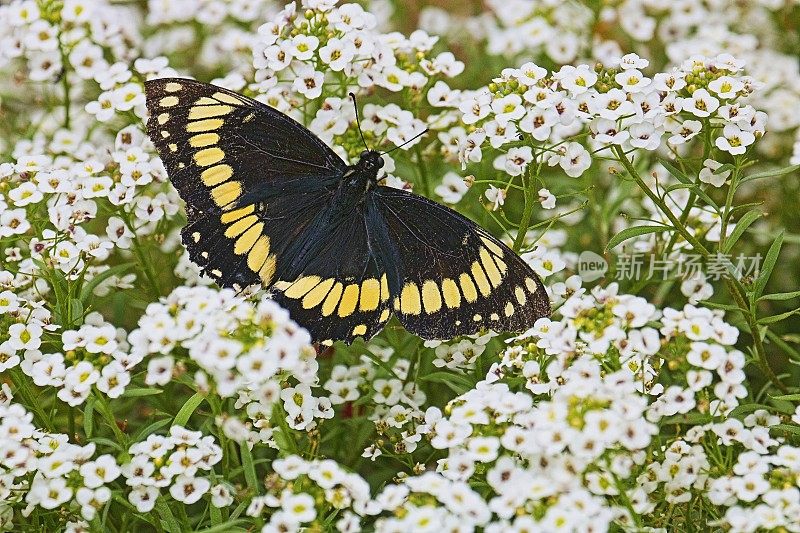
520 294
317 294
329 305
349 300
227 98
267 271
173 87
509 309
370 294
209 156
248 239
301 286
384 288
493 246
240 226
384 315
226 193
531 285
500 265
409 299
468 288
209 124
258 254
208 111
431 299
203 139
452 298
491 269
480 279
359 329
236 214
163 118
168 101
216 174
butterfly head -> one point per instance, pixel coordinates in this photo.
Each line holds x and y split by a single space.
370 161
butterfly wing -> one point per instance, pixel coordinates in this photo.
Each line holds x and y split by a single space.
252 178
451 277
336 286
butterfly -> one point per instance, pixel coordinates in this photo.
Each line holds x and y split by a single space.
268 202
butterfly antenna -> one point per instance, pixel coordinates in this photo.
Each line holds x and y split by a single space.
358 121
420 134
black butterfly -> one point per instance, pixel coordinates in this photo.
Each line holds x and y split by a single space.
268 202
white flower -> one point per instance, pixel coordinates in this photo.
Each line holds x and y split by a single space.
299 508
308 82
337 53
734 140
726 87
102 470
701 103
189 489
143 497
452 189
547 199
574 159
496 196
709 174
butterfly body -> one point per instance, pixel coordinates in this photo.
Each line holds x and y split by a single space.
268 202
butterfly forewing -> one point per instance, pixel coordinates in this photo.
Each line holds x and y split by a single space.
251 176
454 277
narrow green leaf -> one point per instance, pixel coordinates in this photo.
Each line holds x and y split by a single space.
742 225
249 468
779 296
683 178
788 397
635 231
88 417
769 264
88 290
188 408
226 527
715 305
152 428
168 519
140 391
770 173
786 428
777 318
456 382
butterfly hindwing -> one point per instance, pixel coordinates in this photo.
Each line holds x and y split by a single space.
336 287
250 176
455 278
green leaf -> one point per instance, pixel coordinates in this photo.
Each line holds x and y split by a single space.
456 382
742 225
788 397
780 296
769 264
683 178
715 305
770 173
188 408
635 231
249 468
786 428
140 391
168 520
777 318
87 290
152 428
226 527
88 417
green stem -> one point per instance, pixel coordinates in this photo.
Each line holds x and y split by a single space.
527 212
735 288
22 387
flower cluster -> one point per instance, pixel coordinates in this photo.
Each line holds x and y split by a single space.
176 462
